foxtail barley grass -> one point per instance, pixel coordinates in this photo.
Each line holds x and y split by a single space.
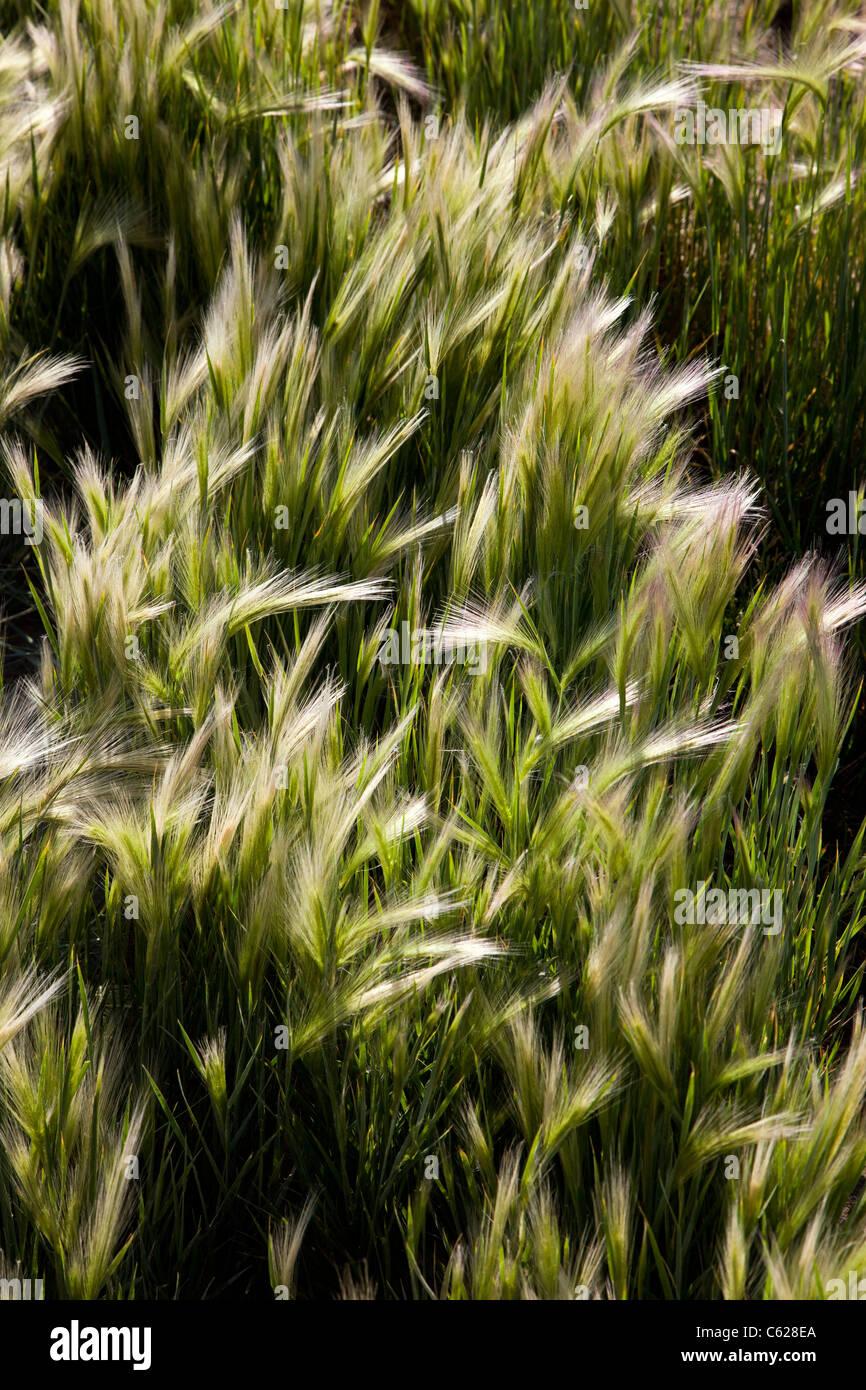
333 977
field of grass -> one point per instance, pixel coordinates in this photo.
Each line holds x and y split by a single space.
332 966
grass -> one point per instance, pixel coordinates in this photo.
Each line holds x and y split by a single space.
346 979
